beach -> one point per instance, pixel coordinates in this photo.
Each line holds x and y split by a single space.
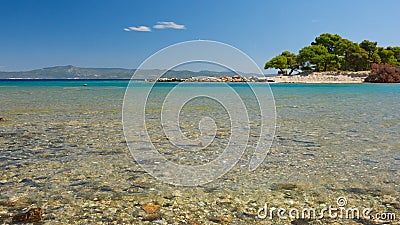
65 152
324 77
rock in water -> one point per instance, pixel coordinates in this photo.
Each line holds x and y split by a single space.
222 219
152 211
3 119
31 216
151 208
152 217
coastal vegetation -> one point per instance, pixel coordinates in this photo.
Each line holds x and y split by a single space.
331 52
384 73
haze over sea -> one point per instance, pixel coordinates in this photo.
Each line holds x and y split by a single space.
64 150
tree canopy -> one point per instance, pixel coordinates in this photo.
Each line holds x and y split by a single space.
286 63
331 52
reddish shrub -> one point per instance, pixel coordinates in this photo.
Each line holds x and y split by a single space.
384 73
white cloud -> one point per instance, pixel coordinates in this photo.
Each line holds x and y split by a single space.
139 28
166 25
159 25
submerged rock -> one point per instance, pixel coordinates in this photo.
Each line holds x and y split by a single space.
141 184
284 186
151 208
31 216
4 217
29 182
152 217
152 212
222 219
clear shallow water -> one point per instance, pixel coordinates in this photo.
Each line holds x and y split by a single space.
62 148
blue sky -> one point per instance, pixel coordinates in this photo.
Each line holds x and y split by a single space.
43 33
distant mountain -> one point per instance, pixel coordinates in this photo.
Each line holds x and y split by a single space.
73 72
70 72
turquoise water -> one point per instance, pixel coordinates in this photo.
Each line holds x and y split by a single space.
62 147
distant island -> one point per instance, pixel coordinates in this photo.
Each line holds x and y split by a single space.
69 72
74 72
333 54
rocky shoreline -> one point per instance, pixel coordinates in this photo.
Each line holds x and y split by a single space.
314 77
214 79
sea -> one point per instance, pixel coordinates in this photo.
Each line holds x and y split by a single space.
63 148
